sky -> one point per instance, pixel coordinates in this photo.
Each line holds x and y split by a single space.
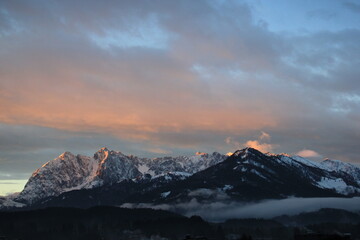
155 78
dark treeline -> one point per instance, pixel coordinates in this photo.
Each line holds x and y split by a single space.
110 223
100 223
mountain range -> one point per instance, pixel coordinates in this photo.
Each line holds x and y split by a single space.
113 178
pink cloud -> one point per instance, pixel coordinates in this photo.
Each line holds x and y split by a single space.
308 153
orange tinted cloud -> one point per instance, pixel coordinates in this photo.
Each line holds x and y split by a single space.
262 147
308 153
119 104
62 79
258 144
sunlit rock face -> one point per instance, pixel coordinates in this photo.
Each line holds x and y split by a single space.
69 172
65 173
114 167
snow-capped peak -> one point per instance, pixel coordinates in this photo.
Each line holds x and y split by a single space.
345 181
248 151
339 166
69 172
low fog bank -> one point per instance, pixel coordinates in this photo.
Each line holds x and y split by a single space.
223 210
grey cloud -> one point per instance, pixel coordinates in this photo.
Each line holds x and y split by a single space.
289 82
325 60
355 7
23 149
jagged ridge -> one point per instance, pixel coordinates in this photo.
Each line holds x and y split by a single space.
112 177
69 172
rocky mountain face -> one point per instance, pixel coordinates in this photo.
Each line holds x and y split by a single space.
69 172
112 178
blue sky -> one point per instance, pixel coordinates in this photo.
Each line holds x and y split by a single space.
301 17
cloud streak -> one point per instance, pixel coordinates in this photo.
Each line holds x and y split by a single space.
220 211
